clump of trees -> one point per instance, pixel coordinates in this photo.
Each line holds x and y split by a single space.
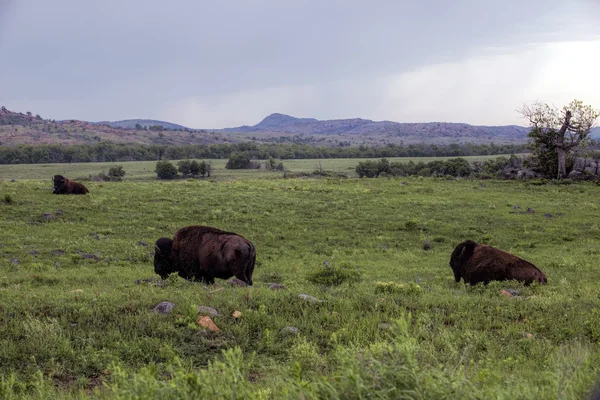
241 160
457 167
454 167
119 152
556 133
194 168
188 168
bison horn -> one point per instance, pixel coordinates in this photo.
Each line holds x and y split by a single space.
156 248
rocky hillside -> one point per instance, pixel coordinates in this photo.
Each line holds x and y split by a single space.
20 128
144 123
441 132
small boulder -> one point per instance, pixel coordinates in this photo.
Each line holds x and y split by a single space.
290 330
509 292
12 180
58 212
143 244
90 257
236 314
207 322
164 307
237 282
515 207
48 216
57 252
14 261
308 298
207 310
276 286
34 252
384 326
530 210
548 215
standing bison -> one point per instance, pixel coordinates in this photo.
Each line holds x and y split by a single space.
204 253
63 185
482 263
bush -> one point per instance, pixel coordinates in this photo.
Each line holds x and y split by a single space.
372 169
240 160
335 276
165 170
116 173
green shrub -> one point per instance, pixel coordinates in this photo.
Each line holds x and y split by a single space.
331 275
165 170
116 173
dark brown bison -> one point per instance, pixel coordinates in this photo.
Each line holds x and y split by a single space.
204 253
476 263
63 185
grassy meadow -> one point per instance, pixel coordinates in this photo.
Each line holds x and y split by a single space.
77 290
144 170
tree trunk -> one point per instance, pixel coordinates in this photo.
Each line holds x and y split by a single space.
562 163
561 148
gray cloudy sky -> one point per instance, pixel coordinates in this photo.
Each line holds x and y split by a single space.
214 64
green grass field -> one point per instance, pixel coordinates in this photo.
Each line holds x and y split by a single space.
144 170
76 322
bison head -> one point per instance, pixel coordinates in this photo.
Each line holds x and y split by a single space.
163 262
59 182
460 256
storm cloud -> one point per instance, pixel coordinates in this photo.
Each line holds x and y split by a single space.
217 64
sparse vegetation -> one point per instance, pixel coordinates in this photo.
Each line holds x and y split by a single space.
116 173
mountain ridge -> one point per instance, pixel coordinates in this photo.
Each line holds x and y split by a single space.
22 128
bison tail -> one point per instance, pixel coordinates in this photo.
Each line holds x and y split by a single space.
249 262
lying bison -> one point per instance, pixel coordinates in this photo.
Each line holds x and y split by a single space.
204 253
481 263
63 185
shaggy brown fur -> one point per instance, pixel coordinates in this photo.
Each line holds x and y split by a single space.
476 263
63 185
205 253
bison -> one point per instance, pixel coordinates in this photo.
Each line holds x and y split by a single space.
476 263
204 253
63 185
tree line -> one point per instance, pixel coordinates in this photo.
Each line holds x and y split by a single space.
116 152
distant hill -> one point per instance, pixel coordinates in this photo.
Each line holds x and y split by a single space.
18 128
408 132
131 124
23 128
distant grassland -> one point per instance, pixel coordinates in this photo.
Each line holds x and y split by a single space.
76 319
143 170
